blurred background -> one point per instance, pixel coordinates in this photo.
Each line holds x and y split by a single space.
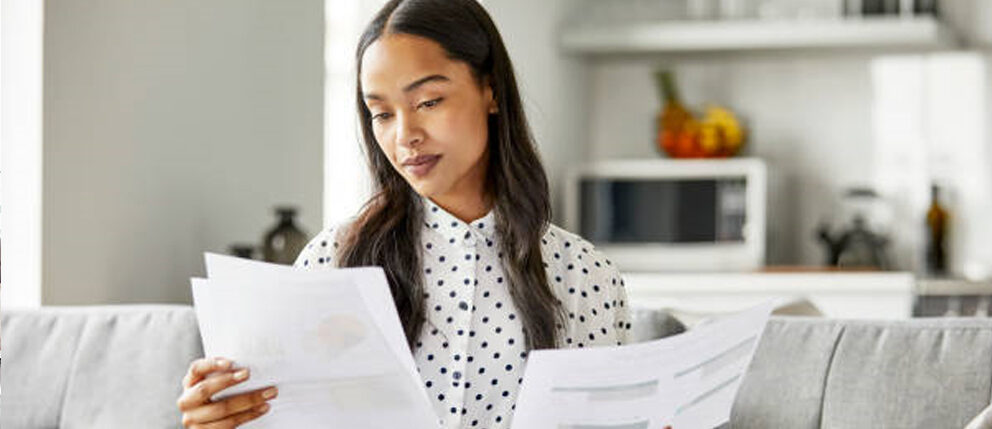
138 134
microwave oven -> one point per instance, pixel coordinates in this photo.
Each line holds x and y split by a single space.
669 215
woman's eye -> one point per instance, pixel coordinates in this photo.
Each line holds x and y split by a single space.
380 117
431 103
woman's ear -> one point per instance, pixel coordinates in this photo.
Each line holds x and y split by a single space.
487 92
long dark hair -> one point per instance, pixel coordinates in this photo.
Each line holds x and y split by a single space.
387 230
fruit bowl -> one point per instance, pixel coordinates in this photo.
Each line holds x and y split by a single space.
681 134
718 135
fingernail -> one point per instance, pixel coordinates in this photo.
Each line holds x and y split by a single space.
262 408
269 393
241 374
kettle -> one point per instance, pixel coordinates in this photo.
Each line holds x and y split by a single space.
858 242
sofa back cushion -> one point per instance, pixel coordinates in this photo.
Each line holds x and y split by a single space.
89 367
825 373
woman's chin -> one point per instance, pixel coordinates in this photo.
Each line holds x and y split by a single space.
424 188
430 185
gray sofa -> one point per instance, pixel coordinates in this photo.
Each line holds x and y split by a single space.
120 367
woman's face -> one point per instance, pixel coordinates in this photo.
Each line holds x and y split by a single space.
429 115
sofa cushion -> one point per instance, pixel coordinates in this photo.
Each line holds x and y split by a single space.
89 367
784 384
920 373
829 373
39 351
648 324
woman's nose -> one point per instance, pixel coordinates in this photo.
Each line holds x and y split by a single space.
408 130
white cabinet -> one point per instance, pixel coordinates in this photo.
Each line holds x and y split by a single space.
690 297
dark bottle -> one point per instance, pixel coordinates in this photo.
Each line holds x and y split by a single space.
937 222
283 243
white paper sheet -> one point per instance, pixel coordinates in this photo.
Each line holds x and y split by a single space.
688 381
329 339
378 300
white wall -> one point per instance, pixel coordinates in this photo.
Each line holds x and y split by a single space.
172 128
553 85
21 30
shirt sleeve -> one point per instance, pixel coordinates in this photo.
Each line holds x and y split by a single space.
598 309
616 317
321 251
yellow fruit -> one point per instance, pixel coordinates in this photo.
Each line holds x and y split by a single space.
709 138
727 128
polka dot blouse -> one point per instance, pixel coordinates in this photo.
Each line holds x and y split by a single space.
471 353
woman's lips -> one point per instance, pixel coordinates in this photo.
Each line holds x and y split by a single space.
421 165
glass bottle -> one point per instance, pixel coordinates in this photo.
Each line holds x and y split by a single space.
283 243
937 221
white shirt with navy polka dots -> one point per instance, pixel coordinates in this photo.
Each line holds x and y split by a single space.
471 352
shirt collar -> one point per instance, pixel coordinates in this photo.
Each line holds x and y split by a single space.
452 228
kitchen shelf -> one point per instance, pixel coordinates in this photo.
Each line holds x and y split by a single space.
753 35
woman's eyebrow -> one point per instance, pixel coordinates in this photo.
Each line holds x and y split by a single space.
423 80
412 86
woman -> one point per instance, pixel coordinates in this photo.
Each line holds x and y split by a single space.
459 223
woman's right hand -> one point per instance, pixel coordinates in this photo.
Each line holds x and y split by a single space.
205 378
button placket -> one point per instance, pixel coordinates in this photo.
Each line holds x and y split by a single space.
466 287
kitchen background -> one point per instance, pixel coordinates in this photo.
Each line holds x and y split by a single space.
825 118
829 107
171 129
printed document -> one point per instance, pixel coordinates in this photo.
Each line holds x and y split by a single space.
687 381
330 340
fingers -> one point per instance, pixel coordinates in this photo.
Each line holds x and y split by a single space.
235 420
235 405
204 379
200 368
201 392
